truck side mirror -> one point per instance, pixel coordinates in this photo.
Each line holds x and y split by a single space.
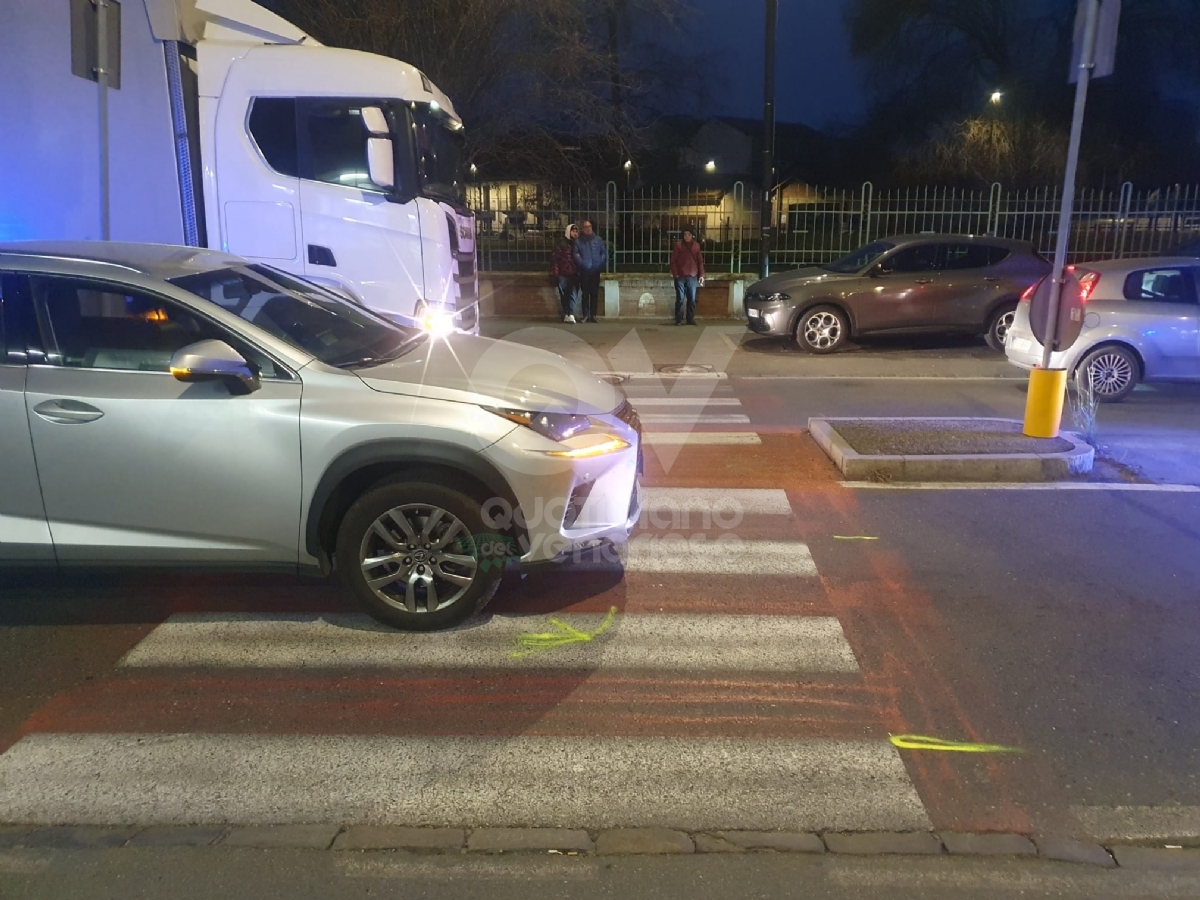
381 161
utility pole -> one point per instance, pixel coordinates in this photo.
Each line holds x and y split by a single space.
102 70
768 154
1047 387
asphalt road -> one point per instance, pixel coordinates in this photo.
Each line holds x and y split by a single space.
752 687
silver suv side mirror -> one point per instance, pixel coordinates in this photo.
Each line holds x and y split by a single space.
215 361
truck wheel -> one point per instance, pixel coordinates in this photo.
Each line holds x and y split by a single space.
1114 372
998 325
417 555
822 329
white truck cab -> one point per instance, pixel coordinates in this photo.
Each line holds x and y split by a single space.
224 125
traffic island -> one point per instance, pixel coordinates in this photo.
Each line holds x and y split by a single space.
948 449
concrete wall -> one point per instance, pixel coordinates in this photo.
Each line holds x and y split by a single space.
523 295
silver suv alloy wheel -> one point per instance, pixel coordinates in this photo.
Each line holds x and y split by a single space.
822 330
418 558
1003 324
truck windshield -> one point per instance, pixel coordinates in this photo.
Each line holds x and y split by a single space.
310 318
440 149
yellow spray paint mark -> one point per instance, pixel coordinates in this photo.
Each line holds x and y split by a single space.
562 637
921 742
853 537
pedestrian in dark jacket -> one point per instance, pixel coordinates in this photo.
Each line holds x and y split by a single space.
566 273
687 268
591 256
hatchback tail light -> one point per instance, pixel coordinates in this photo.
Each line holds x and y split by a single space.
1030 291
1087 285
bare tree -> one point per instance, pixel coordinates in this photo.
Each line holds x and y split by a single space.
1017 152
522 73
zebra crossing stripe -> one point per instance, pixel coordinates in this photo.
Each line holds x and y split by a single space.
695 419
673 643
168 779
700 438
718 503
685 401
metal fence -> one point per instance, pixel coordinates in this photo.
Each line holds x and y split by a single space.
519 224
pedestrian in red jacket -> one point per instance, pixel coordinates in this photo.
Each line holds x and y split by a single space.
687 268
566 273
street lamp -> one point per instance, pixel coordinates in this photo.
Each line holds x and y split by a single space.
997 96
710 166
628 167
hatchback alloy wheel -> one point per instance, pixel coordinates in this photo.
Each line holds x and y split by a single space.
1111 373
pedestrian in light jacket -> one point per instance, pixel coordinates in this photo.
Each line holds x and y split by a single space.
687 268
591 256
566 273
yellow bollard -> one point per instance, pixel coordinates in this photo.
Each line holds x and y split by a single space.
1044 402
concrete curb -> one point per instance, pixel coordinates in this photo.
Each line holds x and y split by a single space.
1001 467
596 842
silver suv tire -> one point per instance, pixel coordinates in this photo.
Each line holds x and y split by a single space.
418 556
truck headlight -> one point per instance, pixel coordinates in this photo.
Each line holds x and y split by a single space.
435 318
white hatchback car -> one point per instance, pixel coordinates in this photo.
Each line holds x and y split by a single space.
1141 323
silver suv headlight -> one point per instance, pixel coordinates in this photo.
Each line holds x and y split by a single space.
556 426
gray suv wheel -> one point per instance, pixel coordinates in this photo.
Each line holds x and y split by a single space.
416 555
822 329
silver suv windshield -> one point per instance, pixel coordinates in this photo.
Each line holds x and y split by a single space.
855 262
310 318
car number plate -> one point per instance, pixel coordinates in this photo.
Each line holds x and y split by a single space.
754 313
1021 344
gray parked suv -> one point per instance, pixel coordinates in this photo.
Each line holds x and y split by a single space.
924 282
181 407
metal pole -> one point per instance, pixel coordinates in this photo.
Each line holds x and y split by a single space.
768 156
1086 61
102 81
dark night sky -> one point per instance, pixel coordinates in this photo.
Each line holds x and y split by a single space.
818 83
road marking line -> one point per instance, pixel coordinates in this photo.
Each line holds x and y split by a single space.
1139 823
685 401
656 376
1022 486
793 644
694 419
700 438
721 503
152 779
853 537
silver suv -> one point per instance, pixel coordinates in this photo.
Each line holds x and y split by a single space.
180 407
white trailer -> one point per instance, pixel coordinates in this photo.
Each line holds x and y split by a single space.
217 123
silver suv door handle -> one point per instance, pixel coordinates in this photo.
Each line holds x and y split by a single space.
67 412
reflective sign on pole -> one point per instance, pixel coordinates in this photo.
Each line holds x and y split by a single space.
1105 57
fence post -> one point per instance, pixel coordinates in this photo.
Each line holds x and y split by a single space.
610 205
864 226
1123 217
739 203
994 209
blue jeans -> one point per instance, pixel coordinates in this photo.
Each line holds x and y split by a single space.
568 295
685 293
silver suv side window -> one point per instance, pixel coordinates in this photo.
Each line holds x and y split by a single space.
98 325
1160 286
